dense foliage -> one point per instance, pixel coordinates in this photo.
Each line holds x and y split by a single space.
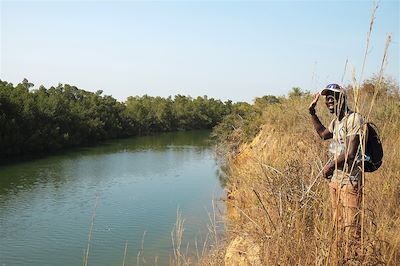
241 125
39 120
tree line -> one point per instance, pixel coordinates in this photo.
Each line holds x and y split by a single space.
49 119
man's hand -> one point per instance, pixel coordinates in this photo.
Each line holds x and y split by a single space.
328 170
311 108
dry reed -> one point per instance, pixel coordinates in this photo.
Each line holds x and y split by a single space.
279 201
86 252
290 206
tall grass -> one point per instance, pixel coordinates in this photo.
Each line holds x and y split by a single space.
279 199
212 246
86 251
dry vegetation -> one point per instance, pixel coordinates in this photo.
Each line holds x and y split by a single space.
278 203
277 200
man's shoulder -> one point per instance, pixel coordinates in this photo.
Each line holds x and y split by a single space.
355 116
355 120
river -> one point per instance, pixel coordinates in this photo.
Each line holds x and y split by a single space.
132 188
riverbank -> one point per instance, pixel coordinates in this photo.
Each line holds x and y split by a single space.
278 202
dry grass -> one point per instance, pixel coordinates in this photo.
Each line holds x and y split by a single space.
208 251
86 251
180 257
280 200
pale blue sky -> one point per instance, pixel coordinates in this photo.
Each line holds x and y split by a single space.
227 50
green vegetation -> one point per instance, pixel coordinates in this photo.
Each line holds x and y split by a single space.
242 124
41 120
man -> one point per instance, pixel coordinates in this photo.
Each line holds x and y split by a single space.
343 170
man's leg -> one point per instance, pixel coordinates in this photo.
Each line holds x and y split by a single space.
351 198
335 200
334 192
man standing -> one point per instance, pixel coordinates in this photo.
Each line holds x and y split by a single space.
343 171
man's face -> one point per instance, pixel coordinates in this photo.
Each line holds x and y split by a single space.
335 102
331 103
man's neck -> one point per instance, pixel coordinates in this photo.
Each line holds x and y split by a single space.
343 113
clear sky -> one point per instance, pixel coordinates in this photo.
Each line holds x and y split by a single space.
227 50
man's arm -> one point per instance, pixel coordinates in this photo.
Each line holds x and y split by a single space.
323 132
351 153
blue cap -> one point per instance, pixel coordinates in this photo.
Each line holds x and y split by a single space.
333 88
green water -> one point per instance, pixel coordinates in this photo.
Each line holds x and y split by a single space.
46 204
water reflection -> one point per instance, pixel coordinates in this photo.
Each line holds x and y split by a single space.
23 176
46 203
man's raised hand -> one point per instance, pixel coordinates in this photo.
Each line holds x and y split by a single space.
311 108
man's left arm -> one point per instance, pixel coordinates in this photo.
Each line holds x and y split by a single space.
347 157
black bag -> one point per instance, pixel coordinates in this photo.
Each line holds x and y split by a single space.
373 149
